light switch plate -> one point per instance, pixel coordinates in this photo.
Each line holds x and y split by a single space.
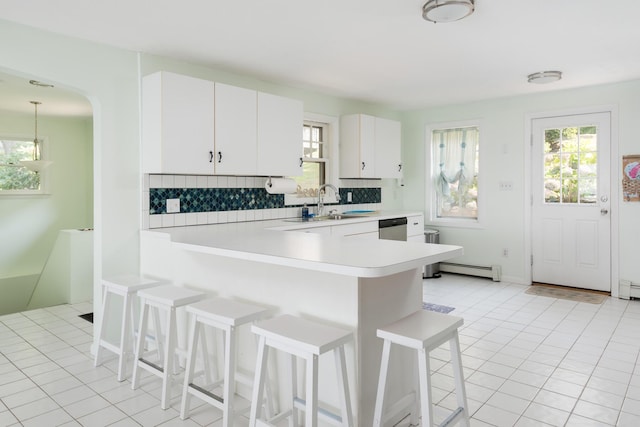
506 185
173 205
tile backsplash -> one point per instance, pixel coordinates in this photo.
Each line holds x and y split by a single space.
221 199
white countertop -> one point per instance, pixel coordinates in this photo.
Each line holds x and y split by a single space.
267 241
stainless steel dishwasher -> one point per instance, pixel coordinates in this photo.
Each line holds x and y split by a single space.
393 229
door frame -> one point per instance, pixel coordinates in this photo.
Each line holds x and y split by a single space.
614 168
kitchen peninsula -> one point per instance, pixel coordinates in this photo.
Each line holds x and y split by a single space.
352 283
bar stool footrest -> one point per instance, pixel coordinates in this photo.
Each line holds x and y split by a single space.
453 417
404 403
325 414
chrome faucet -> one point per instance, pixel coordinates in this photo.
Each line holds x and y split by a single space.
320 211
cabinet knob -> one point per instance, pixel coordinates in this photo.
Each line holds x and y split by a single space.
362 165
219 156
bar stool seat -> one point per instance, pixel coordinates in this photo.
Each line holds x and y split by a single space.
167 298
225 315
422 331
308 340
125 286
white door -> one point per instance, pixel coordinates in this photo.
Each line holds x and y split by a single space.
571 188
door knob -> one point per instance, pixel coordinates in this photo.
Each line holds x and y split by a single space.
603 211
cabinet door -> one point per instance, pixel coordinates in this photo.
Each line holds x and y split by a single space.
279 136
235 130
177 124
388 148
357 145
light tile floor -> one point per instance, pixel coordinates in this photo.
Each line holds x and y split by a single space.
529 361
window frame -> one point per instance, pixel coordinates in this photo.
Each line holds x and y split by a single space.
330 153
45 174
431 168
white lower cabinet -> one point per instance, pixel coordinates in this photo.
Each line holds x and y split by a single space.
362 230
415 228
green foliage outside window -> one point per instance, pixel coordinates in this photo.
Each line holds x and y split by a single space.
570 165
12 175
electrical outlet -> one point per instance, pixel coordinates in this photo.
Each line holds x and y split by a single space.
506 185
349 197
173 205
505 253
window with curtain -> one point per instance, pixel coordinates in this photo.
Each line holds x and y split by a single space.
454 166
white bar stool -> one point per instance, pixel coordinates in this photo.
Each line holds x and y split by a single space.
125 286
167 298
306 339
422 331
226 315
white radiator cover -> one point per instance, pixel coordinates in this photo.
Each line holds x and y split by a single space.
493 272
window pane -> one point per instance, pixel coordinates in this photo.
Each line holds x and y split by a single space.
12 175
588 190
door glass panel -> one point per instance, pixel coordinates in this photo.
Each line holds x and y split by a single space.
570 165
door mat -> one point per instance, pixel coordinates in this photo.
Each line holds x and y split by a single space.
571 294
88 317
436 307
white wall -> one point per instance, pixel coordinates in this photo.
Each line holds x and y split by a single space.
109 78
503 127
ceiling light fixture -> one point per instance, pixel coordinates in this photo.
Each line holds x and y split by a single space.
37 164
544 77
37 83
447 10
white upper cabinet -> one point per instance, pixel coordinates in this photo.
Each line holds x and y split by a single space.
357 146
235 130
279 135
195 126
177 124
369 147
388 150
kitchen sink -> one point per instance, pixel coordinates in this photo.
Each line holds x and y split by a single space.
333 217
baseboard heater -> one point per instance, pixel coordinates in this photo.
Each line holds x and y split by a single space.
493 272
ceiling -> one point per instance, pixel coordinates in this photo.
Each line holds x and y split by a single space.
380 51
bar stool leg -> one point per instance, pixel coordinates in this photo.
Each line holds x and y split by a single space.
230 380
311 398
343 387
293 376
258 384
144 317
159 336
382 384
425 387
188 374
458 374
168 358
125 335
105 306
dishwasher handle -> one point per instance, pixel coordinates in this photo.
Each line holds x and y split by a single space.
392 222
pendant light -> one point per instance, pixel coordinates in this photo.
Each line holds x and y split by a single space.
36 164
